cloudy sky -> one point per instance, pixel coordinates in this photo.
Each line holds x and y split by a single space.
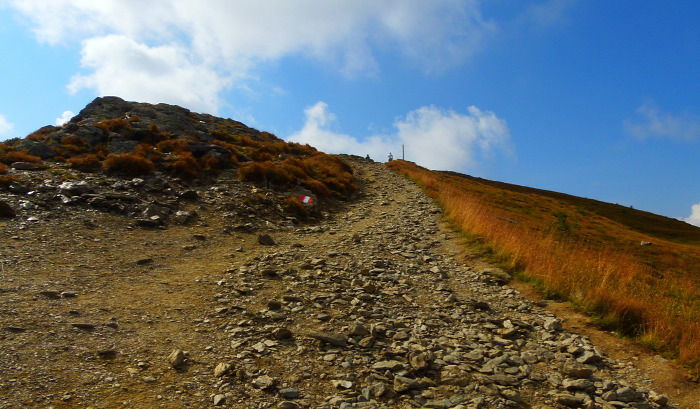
593 98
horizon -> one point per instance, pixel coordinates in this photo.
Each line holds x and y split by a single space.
586 98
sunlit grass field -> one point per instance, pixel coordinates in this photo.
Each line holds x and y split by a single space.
587 252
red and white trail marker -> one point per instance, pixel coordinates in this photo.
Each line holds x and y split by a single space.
306 199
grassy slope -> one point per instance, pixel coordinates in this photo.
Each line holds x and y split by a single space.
588 252
651 224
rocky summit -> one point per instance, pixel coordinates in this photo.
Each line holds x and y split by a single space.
232 304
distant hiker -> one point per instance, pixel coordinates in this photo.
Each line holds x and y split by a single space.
367 157
391 157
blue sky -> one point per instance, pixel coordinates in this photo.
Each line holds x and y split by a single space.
592 98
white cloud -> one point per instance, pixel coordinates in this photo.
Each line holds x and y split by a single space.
549 13
435 138
155 51
652 121
65 117
134 71
5 126
694 218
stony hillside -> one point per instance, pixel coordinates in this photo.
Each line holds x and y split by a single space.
123 139
230 303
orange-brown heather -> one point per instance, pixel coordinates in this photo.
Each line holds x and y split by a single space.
129 164
586 252
18 156
86 163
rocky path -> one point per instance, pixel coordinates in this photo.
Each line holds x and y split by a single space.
370 309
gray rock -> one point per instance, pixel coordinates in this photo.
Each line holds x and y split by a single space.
391 366
568 399
588 357
219 399
626 394
454 375
176 358
222 369
24 166
660 400
266 240
577 384
289 393
357 329
553 324
282 334
505 380
577 370
263 382
36 148
182 217
341 384
404 384
512 395
332 339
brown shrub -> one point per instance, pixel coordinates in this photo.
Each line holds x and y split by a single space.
61 154
132 165
222 135
36 136
18 156
297 172
173 146
185 166
113 125
259 155
41 134
74 145
231 148
317 187
6 180
267 136
342 184
148 151
252 172
301 150
264 173
210 164
293 206
101 151
85 163
3 168
249 142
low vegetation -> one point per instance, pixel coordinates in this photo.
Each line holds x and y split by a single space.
132 165
12 156
586 252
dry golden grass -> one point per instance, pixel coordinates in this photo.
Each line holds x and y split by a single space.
650 293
